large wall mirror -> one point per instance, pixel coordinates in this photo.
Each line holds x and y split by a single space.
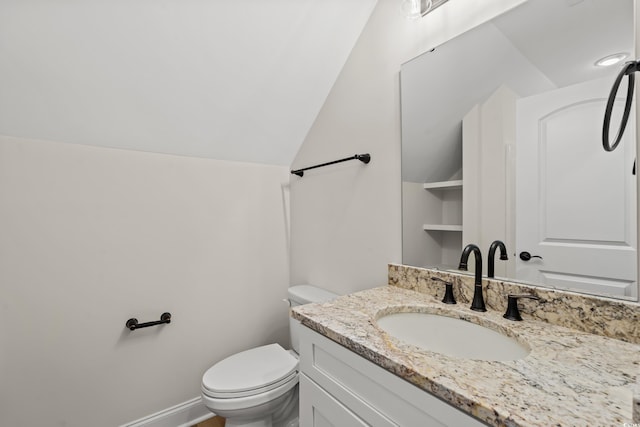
502 140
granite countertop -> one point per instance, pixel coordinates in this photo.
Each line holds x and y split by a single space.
569 378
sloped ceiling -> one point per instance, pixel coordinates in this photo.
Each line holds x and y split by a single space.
224 79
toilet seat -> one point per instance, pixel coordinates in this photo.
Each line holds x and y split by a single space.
251 372
293 377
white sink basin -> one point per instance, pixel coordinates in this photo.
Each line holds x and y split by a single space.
452 337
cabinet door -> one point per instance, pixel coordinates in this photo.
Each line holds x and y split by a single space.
370 394
319 409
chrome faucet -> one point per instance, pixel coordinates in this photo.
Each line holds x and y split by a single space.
478 300
492 254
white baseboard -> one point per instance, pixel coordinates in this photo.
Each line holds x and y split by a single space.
182 415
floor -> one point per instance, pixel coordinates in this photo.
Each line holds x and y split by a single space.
211 422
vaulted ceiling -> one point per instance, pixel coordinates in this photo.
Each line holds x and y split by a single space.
225 79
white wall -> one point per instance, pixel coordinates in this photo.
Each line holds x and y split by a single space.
489 140
421 248
93 236
346 219
430 248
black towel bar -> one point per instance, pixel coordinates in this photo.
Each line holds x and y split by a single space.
364 158
133 324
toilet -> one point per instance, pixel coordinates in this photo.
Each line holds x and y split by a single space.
259 387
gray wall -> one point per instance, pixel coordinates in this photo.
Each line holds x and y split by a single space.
93 236
346 219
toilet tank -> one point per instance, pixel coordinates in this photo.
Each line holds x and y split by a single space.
304 294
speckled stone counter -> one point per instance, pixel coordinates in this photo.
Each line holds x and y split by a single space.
636 403
570 377
597 315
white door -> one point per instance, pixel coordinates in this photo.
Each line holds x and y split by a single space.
575 203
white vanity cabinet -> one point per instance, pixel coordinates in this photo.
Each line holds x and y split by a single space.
342 389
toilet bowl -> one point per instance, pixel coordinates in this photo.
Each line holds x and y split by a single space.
259 387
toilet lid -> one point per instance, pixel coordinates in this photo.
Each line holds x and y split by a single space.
250 370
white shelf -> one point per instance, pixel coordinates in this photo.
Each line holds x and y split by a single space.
441 227
443 185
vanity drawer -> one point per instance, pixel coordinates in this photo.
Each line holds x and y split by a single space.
377 396
319 409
